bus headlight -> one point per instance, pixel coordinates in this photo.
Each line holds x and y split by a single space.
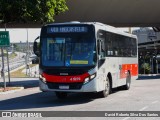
86 80
91 77
43 79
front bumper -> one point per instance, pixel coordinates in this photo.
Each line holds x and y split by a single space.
88 87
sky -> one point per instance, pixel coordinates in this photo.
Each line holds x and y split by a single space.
20 35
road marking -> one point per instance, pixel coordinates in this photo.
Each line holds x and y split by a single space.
126 118
143 108
154 102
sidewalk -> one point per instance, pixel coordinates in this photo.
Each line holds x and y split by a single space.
148 76
23 82
18 84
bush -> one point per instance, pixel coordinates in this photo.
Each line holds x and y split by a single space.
145 68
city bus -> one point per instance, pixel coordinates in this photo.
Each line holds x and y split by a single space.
85 57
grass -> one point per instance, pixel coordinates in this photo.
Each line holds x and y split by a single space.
12 55
19 74
32 65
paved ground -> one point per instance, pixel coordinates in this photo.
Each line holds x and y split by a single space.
25 82
143 96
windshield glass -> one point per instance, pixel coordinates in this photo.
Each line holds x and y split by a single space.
72 50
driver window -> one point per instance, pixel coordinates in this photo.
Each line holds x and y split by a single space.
101 43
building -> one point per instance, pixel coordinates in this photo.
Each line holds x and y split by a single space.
149 50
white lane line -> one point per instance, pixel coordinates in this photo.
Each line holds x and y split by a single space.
154 102
143 108
126 118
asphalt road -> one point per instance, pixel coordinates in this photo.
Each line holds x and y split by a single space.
144 95
14 63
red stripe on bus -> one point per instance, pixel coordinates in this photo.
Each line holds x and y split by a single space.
133 68
65 79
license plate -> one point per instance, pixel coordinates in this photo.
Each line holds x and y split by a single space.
64 87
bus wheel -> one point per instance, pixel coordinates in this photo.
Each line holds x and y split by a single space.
106 91
61 95
128 81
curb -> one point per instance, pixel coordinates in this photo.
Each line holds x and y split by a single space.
12 91
149 75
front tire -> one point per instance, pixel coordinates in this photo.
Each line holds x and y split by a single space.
107 90
61 95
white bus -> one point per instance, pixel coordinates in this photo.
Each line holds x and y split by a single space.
85 57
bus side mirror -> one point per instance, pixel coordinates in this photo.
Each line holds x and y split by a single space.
35 47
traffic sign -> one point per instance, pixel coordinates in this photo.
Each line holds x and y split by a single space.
4 39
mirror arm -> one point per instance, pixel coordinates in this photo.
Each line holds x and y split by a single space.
35 47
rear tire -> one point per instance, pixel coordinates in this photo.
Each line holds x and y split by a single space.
107 89
128 81
61 95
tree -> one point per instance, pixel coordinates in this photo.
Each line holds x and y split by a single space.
31 10
16 47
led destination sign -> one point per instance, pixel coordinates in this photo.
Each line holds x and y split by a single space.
67 29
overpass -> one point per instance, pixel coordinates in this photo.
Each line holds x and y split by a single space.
118 13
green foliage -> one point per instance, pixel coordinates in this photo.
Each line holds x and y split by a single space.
31 10
145 68
16 47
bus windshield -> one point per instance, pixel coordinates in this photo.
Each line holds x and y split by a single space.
68 50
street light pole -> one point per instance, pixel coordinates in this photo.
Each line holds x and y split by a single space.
27 54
